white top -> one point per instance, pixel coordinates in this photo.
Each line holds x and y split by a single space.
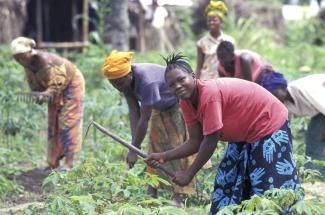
308 94
208 46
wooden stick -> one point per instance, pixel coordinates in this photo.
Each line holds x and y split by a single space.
129 146
85 27
63 44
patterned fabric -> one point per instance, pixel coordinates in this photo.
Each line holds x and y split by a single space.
65 114
65 121
208 46
55 77
167 131
216 7
249 169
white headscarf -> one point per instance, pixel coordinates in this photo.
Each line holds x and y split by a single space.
22 45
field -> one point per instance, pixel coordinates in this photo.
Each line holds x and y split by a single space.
101 183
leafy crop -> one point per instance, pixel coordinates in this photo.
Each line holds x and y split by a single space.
101 183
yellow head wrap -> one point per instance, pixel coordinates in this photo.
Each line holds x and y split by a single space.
216 7
117 64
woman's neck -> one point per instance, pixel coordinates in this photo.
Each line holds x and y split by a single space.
215 34
195 96
37 62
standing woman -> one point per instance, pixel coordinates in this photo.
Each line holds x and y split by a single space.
304 97
243 64
207 61
259 154
148 97
58 78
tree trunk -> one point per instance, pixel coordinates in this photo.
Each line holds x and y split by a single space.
13 14
119 24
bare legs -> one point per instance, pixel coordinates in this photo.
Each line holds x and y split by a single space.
68 164
69 161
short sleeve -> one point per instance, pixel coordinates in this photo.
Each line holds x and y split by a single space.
150 94
212 117
187 113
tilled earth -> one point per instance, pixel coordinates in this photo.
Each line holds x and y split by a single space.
33 193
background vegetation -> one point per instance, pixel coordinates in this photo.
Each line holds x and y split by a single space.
101 182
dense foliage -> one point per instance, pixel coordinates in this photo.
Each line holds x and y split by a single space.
101 182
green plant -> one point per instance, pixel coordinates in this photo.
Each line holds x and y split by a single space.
277 201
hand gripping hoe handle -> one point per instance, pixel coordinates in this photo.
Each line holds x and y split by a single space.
129 146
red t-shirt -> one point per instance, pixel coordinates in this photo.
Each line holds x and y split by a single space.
257 65
241 110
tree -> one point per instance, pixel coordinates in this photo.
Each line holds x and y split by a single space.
119 24
13 14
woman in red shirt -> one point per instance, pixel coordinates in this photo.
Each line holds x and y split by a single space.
259 154
243 64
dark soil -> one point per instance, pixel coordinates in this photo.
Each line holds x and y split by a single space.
33 191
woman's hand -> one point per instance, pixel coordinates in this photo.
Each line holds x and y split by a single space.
183 178
155 159
131 159
42 97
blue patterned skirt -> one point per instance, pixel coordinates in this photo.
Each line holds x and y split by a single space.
249 169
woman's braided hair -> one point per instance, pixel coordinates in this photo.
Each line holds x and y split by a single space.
177 60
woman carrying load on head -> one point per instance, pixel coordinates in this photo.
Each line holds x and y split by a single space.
207 61
55 77
243 64
149 99
259 155
304 97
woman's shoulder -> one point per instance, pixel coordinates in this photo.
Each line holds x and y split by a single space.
227 37
148 69
144 66
309 82
246 52
204 39
209 90
50 58
147 73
